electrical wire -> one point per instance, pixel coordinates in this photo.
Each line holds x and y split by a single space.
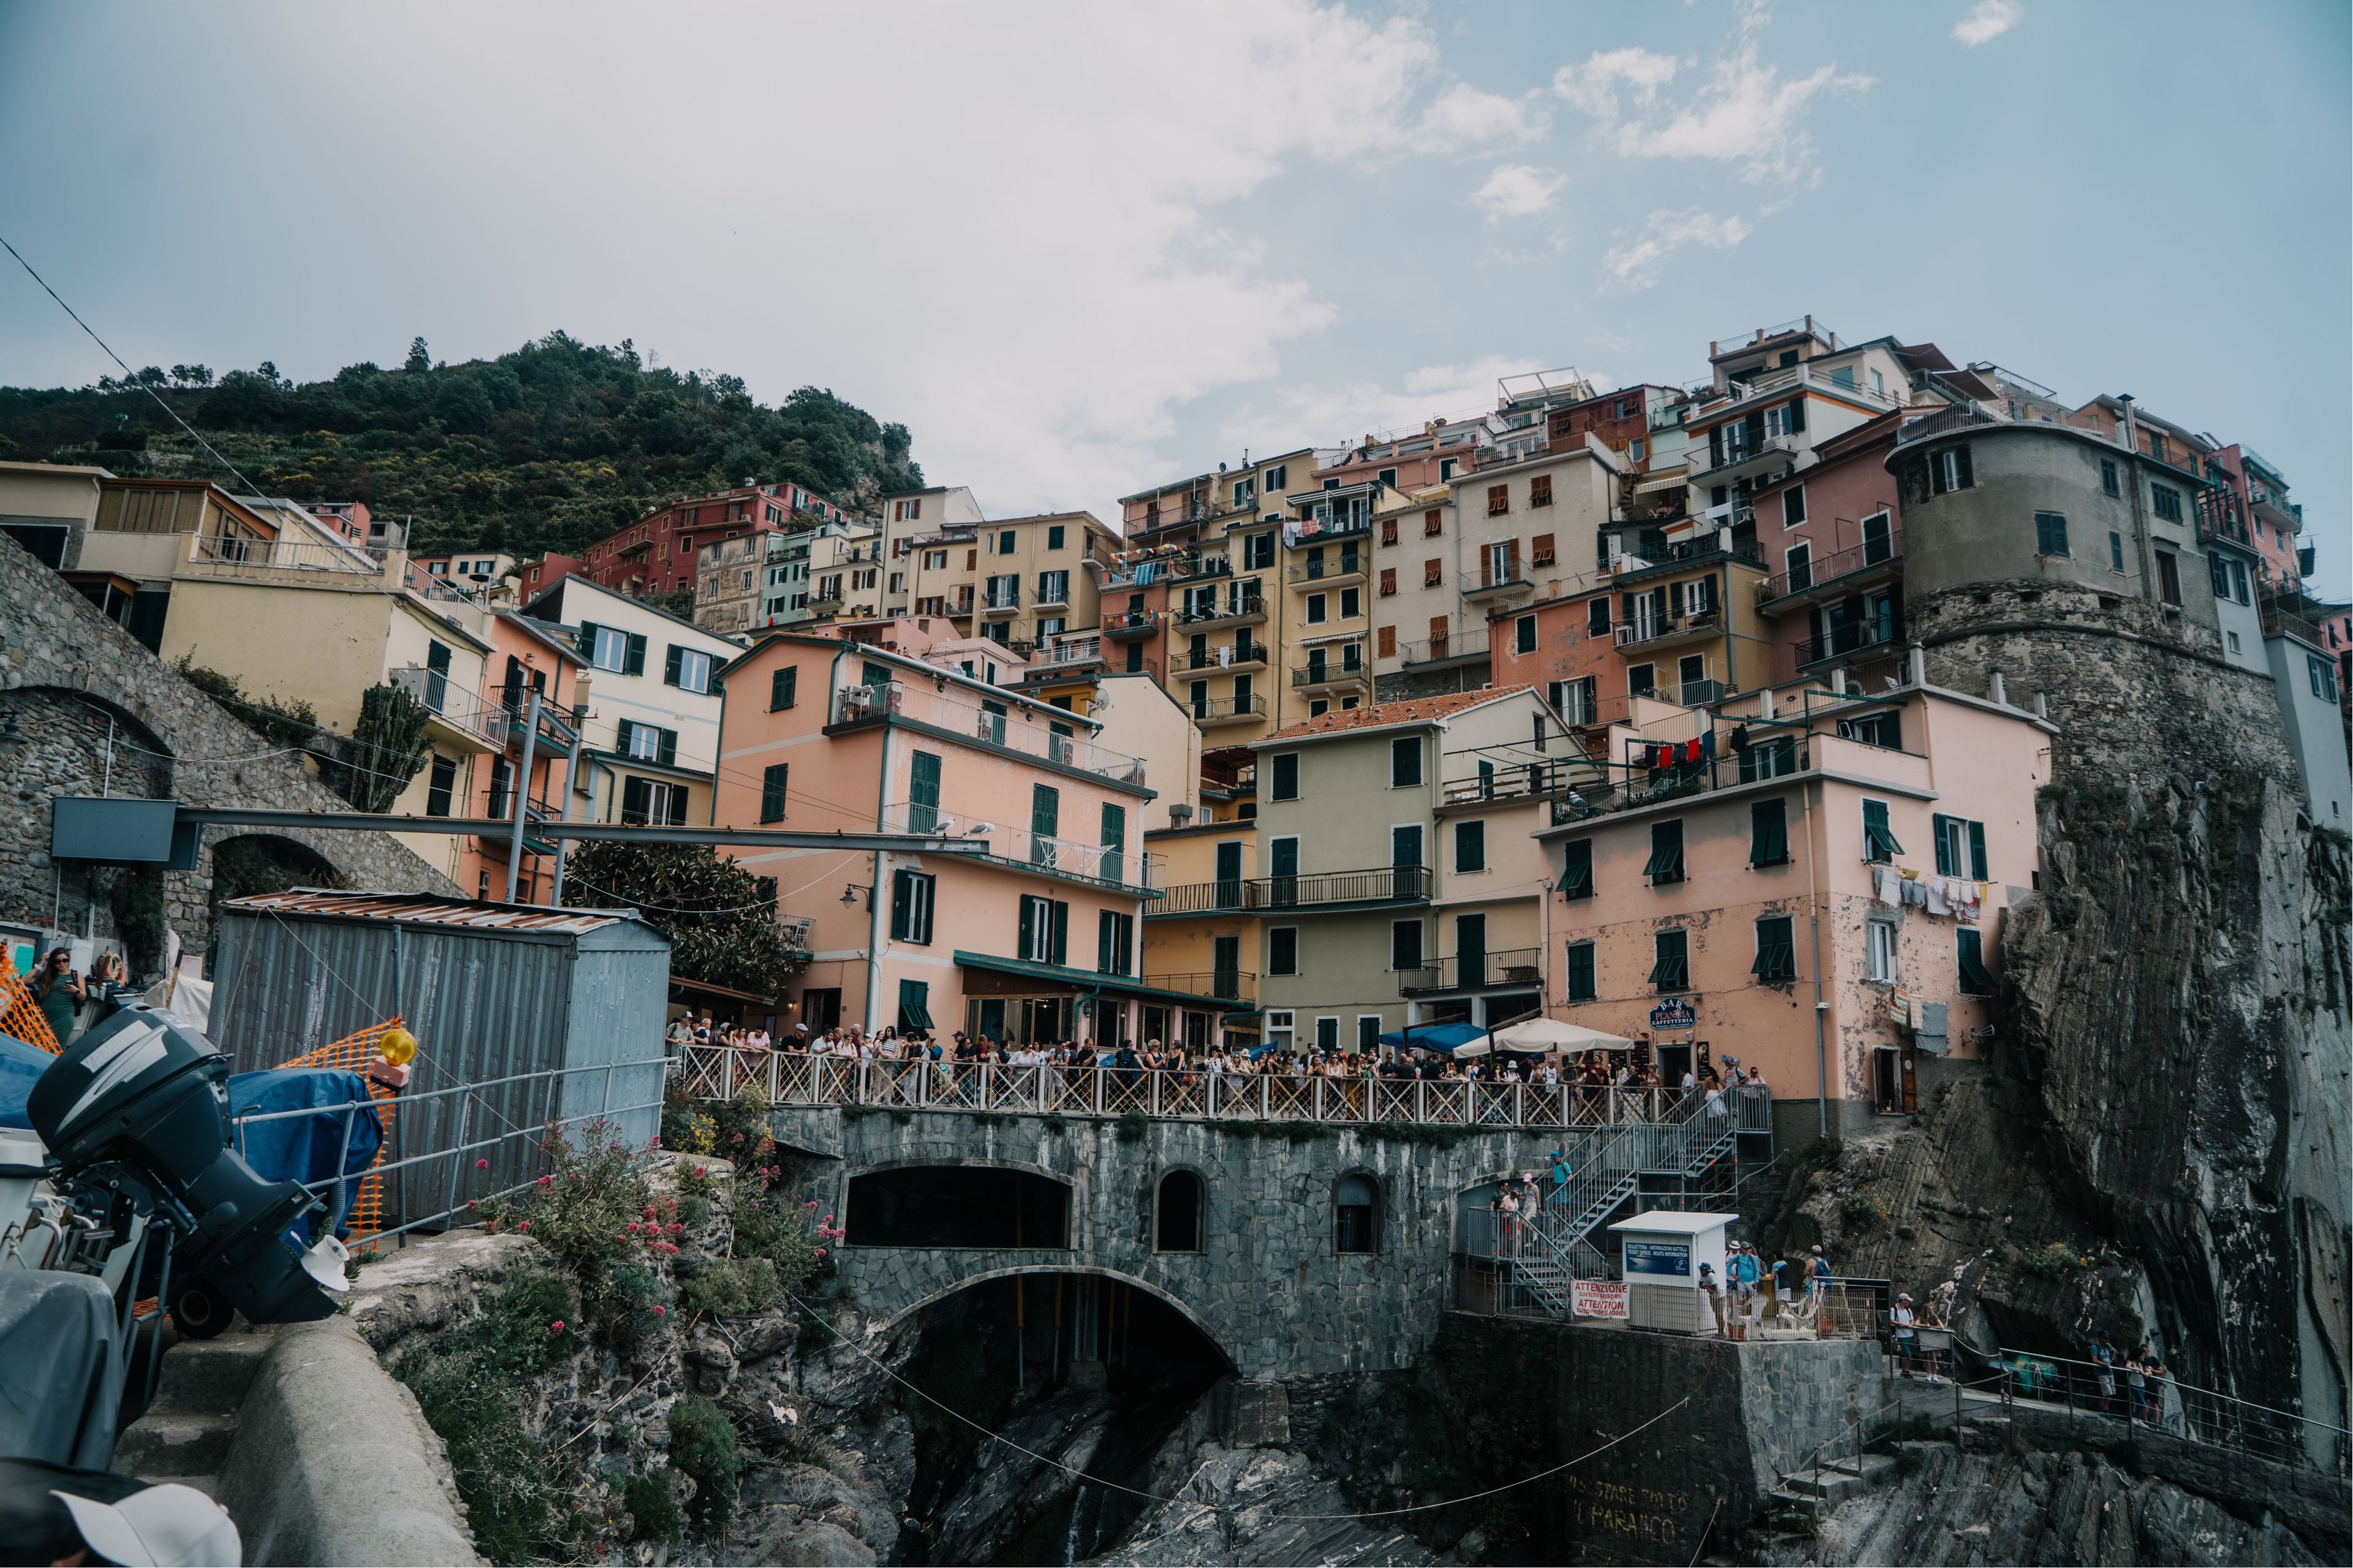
1212 1507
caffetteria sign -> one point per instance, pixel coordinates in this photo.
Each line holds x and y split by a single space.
1673 1013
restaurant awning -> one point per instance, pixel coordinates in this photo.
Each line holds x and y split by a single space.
1064 975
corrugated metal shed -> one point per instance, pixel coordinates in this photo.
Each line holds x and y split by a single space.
490 989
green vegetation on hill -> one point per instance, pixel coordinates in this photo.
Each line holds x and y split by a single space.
549 447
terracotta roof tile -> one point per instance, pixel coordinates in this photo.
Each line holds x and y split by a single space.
1419 710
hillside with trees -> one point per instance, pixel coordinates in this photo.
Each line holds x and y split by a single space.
548 447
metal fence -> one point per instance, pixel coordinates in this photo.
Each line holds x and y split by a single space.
2090 1391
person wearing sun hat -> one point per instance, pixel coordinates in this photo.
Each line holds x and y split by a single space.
61 1513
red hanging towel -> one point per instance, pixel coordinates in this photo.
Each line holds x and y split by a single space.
1691 749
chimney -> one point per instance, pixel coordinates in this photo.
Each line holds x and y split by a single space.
1919 665
1997 690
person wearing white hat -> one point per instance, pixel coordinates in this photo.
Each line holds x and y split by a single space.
1904 1322
164 1526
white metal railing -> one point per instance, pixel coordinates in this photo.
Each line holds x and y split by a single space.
1132 870
280 554
1069 651
450 702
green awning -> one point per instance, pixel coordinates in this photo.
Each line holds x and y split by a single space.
1088 980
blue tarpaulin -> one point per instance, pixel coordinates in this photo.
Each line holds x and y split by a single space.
21 1066
304 1147
1440 1037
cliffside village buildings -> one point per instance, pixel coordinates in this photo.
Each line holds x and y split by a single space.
1602 704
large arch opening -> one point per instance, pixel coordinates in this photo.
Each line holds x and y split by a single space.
1091 1371
957 1207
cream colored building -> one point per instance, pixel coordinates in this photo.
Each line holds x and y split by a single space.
1020 581
911 515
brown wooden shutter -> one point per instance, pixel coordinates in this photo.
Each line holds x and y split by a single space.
1389 530
1499 500
1389 581
1511 559
1429 571
1543 549
1430 523
1385 641
1540 491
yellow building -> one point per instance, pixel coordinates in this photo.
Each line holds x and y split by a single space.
1021 581
1201 937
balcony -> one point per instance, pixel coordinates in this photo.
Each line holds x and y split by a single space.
510 721
1130 624
451 708
1211 712
1883 639
1742 461
1212 985
1684 554
1248 655
1835 575
1246 610
1770 384
1018 849
1631 786
1052 596
1347 567
1520 781
1300 894
534 812
1001 601
1318 674
1068 656
1471 972
1192 568
1464 647
1499 585
942 709
1647 635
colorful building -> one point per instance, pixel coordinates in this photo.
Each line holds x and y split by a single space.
1020 581
655 554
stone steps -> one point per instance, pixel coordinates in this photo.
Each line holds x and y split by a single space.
187 1428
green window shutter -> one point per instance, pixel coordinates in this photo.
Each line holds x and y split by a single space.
1284 858
1878 843
588 642
1286 775
1769 833
1405 845
1061 915
1470 846
1939 825
1671 963
1666 861
1975 980
633 799
1580 971
1282 950
670 748
1977 872
915 1005
634 664
1114 843
924 793
1045 811
1106 937
902 895
670 659
784 687
621 736
1028 940
1777 957
773 791
1577 868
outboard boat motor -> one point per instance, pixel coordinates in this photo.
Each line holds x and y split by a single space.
140 1102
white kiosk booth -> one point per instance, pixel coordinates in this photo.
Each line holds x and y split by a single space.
1664 1250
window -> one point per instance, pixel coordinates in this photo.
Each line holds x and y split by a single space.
1801 568
1793 505
1579 969
623 653
1432 573
1960 847
1499 500
1405 945
1771 759
1352 603
1045 823
1404 844
1523 634
2323 673
1384 642
1405 762
1282 950
648 742
1969 946
1388 477
1577 868
924 793
1356 1207
2165 502
1053 588
2115 551
687 669
1318 608
1540 551
1471 845
1949 471
1641 679
1879 845
1446 468
1389 530
773 791
1540 491
1054 536
1874 730
1769 833
1430 526
1597 616
1879 953
1004 542
1045 932
1777 950
1388 582
1670 960
2108 485
1285 783
2169 577
2049 533
1176 1213
653 801
1115 943
911 894
1114 843
442 787
1666 862
1257 553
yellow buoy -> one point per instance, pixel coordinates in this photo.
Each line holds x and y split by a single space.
398 1047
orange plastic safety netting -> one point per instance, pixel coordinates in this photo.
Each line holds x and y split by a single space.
352 1053
20 1013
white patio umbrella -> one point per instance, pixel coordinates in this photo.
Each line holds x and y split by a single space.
1550 1034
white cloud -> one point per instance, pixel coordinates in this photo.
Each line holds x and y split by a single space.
1743 112
1637 264
1987 20
1516 190
1464 116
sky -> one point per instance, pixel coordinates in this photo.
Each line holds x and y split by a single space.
1083 250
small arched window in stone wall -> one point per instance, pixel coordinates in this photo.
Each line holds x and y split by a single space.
1357 1214
1177 1214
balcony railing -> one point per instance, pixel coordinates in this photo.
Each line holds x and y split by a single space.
1320 889
1824 571
453 704
1515 581
1348 564
1072 653
1773 447
1130 624
1643 630
1228 710
1631 787
1472 971
1517 781
1469 643
510 720
1218 985
1331 674
1025 734
1236 658
208 550
1247 607
1129 870
1841 642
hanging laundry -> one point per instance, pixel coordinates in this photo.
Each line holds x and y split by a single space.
1934 902
1915 896
1707 747
1887 886
1691 749
1740 737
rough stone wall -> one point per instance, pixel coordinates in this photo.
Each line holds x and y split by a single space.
1267 1287
66 670
1403 685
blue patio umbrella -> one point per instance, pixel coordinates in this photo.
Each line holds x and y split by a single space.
1439 1037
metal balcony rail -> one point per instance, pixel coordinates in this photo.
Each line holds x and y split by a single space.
501 1121
1348 564
1073 651
1824 571
1222 657
1129 622
2088 1390
1516 780
1218 710
1646 628
1002 596
285 555
1472 971
1246 605
1375 885
1958 417
1471 642
1860 637
1023 732
1128 871
1657 1124
1490 582
450 702
1194 567
1328 672
1219 984
1629 786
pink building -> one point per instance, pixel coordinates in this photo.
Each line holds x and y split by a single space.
1831 536
1819 895
1032 933
655 554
